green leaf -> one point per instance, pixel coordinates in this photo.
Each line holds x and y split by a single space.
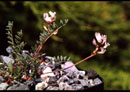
54 25
61 21
20 33
68 59
8 33
18 37
10 66
65 58
66 21
58 58
10 42
61 58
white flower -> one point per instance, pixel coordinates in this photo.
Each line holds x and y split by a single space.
50 19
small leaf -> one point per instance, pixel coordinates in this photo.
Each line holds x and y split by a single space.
9 37
66 21
61 58
58 58
50 29
61 21
20 33
10 42
10 66
54 25
8 33
65 58
17 37
55 58
68 59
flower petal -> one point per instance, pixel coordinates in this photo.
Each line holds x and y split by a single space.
94 42
106 45
98 37
53 14
49 19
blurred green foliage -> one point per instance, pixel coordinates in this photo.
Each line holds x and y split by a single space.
75 39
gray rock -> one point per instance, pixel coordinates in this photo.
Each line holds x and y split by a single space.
65 86
41 86
71 75
52 88
97 81
91 74
1 79
18 87
51 59
76 81
80 74
68 87
3 86
62 85
90 83
7 59
71 81
64 78
52 81
30 84
71 69
77 86
83 82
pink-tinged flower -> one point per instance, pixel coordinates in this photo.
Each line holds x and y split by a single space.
50 19
101 39
101 43
102 50
94 42
106 45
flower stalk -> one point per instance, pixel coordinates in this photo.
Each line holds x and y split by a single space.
101 44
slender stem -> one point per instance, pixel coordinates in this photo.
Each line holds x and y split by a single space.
41 45
93 54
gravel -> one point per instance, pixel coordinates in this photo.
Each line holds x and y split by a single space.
70 79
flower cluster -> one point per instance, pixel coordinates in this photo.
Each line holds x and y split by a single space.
101 43
50 19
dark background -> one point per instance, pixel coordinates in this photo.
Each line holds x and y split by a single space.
75 39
